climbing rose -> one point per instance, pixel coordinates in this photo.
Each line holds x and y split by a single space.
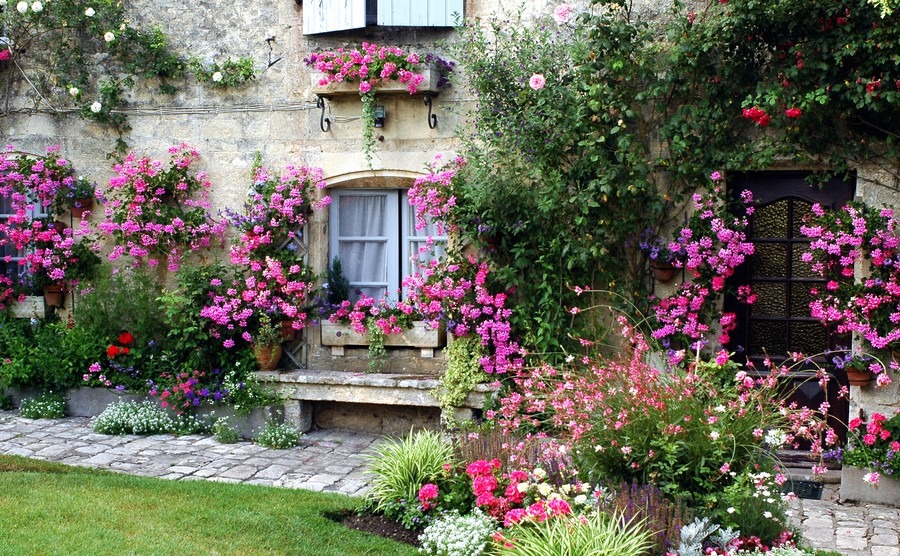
792 113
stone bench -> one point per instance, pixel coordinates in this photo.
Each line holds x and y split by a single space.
301 388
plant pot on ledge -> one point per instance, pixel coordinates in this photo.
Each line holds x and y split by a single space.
55 295
858 377
268 356
81 207
663 272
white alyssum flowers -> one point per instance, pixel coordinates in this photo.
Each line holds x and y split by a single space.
456 535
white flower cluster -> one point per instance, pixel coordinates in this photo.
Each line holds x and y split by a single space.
46 406
279 436
456 535
133 418
780 551
22 7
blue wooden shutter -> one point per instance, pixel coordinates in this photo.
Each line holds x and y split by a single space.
419 13
323 16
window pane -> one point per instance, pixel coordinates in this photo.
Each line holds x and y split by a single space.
362 216
771 221
364 261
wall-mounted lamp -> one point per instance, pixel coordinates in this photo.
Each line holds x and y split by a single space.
380 115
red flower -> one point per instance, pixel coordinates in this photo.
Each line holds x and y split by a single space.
792 113
4 54
124 351
125 338
112 351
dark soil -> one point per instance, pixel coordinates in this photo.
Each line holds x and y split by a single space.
381 526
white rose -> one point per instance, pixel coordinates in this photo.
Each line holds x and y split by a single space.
217 76
37 7
22 7
89 12
74 91
96 107
109 36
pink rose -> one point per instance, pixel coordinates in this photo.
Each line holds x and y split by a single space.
562 13
537 82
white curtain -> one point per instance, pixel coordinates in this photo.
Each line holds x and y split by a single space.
362 243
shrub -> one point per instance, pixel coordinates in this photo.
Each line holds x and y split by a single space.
45 406
280 436
401 467
456 535
133 418
598 533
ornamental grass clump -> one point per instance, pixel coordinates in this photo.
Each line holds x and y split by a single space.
400 467
128 417
46 406
597 533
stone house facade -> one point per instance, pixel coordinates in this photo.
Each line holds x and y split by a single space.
280 116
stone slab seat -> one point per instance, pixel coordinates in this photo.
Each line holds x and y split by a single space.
301 387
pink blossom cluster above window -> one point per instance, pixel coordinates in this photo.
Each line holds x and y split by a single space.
369 65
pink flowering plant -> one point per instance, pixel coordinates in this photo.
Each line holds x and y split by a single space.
709 247
684 428
156 213
268 274
873 445
856 250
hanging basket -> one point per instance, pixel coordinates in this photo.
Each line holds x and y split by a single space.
858 377
54 295
268 356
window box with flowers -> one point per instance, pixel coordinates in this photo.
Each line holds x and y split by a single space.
871 462
418 335
373 69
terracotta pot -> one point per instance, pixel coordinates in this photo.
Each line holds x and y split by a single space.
288 333
858 377
663 272
55 295
267 355
82 206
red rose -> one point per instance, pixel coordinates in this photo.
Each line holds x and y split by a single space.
112 351
125 338
124 351
792 113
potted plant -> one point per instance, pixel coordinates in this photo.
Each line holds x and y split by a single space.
860 367
871 460
660 256
267 344
76 196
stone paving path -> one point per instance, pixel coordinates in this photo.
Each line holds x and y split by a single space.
332 460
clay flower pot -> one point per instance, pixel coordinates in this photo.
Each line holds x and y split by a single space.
858 377
81 207
663 272
267 355
55 295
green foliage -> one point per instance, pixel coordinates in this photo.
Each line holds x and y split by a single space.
125 299
133 418
44 354
634 115
279 436
463 372
338 284
224 433
46 406
230 73
401 466
752 504
600 533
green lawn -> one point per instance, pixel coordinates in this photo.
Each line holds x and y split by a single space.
48 508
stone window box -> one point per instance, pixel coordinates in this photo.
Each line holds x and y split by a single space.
340 335
32 306
428 86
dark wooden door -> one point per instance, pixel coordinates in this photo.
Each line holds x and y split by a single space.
779 322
